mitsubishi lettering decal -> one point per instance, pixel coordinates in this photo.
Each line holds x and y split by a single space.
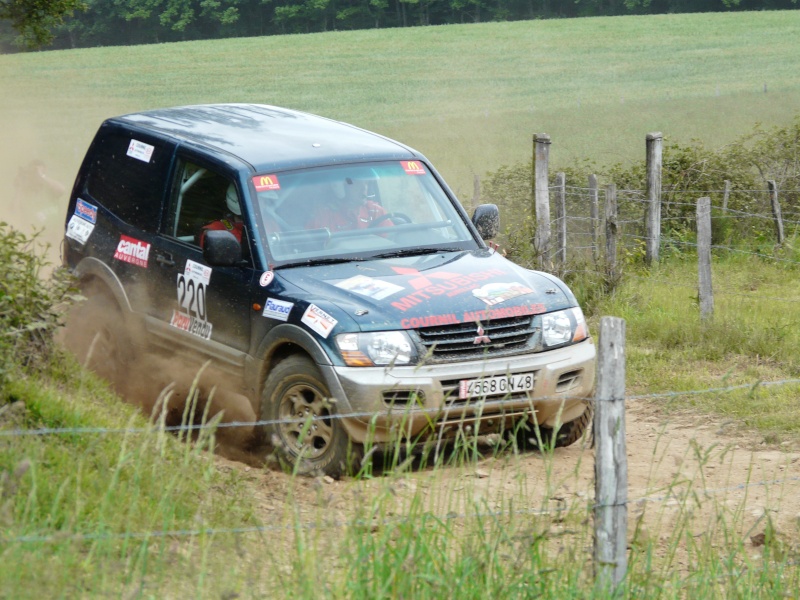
133 251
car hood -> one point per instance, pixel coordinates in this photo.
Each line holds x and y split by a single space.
430 290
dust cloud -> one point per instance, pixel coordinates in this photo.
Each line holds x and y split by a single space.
35 183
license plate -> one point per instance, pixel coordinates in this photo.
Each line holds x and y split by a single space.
494 386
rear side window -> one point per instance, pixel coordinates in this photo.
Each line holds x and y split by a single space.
127 175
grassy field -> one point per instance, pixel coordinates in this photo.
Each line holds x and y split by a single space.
469 97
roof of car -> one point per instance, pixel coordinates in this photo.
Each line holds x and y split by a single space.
270 138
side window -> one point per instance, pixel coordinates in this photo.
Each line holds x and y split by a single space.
201 200
127 176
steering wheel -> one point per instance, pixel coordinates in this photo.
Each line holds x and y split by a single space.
397 218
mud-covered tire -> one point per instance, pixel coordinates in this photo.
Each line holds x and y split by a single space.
566 435
96 335
303 427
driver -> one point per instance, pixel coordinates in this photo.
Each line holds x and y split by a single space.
232 221
354 210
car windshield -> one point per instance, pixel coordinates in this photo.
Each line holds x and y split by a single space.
357 211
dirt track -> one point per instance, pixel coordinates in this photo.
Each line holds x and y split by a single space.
710 460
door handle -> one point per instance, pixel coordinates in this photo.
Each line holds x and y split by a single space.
165 259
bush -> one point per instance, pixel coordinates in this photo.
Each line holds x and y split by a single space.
31 304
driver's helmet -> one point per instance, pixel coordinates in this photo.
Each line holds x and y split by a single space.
232 200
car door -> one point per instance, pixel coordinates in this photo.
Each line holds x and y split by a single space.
203 308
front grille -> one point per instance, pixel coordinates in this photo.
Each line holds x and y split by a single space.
463 341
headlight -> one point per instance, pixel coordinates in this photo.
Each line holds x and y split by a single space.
376 348
563 327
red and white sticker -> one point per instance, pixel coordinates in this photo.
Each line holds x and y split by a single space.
266 183
140 151
131 250
413 167
318 320
266 278
495 293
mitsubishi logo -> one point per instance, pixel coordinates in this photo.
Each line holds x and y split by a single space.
481 338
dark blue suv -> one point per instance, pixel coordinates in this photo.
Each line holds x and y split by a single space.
328 274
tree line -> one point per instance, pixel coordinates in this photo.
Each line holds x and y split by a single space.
89 23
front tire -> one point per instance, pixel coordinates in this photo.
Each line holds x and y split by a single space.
566 435
303 425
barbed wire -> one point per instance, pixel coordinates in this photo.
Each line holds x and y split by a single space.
457 412
386 521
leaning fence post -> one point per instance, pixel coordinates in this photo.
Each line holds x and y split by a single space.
561 218
653 212
705 291
541 156
776 210
610 463
611 232
593 197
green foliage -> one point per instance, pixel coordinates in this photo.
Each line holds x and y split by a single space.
31 304
34 20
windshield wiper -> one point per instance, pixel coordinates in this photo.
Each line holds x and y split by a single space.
415 252
332 260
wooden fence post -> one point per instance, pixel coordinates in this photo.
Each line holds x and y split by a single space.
653 211
595 217
705 291
611 232
726 193
541 154
561 218
611 462
776 210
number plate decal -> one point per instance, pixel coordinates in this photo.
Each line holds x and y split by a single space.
496 386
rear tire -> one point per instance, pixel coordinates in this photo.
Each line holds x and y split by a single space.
304 429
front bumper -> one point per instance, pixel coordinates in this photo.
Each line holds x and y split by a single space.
384 404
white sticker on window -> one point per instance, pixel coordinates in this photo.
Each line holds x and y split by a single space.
318 320
140 151
79 229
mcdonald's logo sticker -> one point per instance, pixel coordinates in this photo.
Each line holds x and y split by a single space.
413 167
265 183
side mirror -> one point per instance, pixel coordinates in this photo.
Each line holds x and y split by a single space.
221 249
486 219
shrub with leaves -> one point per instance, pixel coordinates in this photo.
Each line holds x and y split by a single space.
31 304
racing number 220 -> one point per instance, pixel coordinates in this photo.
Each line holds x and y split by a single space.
192 296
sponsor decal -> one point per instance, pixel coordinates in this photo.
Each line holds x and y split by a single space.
266 183
198 272
133 251
472 316
266 278
413 167
191 314
191 324
140 151
446 284
78 229
318 320
86 211
367 286
278 309
495 293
